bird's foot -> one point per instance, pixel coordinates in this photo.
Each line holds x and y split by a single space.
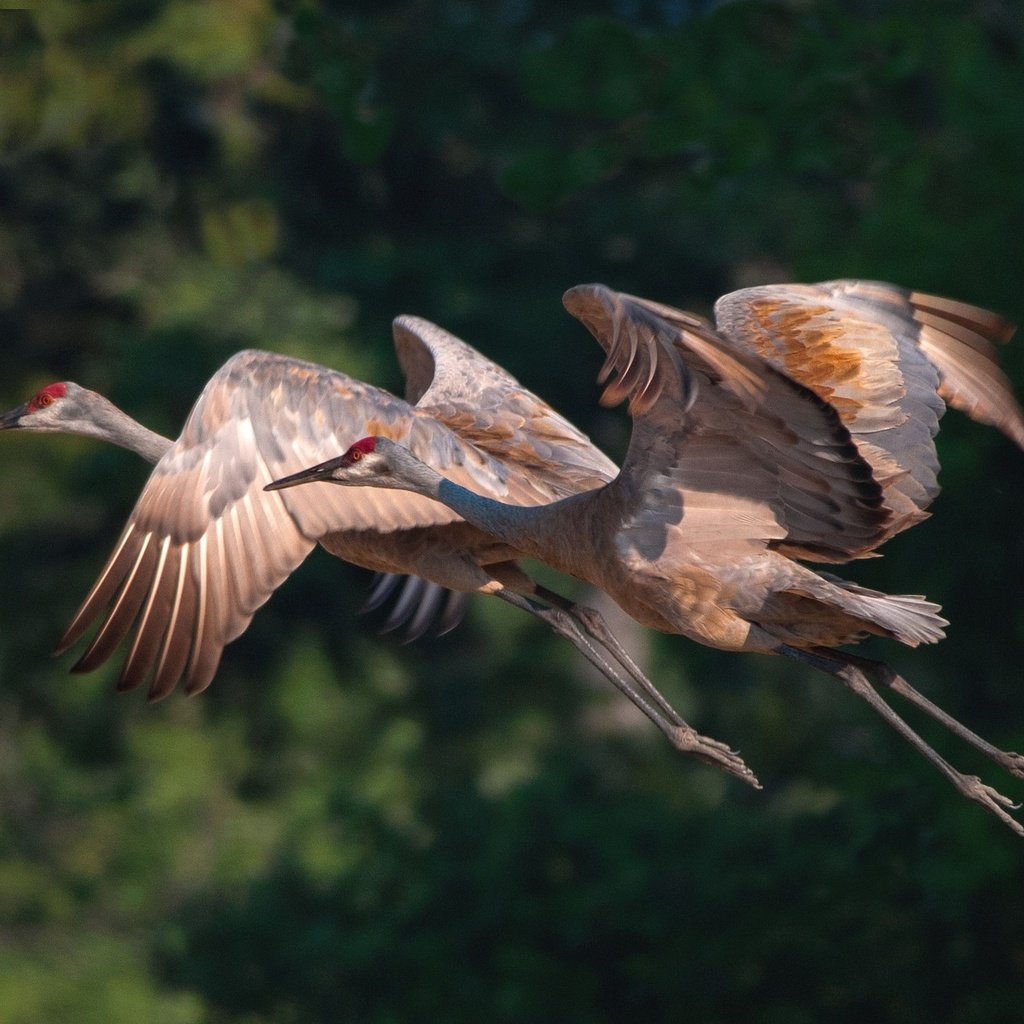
688 741
994 802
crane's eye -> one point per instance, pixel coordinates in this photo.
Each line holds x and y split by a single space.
45 399
355 455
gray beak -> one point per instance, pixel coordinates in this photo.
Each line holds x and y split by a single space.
304 476
11 420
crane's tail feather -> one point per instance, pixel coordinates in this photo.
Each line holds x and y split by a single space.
910 618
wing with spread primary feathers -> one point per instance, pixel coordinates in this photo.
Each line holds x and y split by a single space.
881 356
725 449
205 546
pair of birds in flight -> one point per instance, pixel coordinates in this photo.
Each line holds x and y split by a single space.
798 427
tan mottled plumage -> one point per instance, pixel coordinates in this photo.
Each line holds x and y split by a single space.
885 358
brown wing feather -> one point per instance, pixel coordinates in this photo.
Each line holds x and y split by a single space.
957 338
971 379
864 360
884 357
485 405
206 546
724 446
978 321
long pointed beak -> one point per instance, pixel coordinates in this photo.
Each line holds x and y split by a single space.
304 476
12 419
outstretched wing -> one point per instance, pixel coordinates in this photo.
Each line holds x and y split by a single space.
881 356
725 448
205 546
958 339
483 403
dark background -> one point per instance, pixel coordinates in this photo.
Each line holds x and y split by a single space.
346 829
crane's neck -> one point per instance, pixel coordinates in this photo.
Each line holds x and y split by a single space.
109 423
522 527
533 530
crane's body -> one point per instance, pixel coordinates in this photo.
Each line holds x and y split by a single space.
799 428
722 596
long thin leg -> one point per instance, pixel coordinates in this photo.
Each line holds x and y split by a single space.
592 622
681 735
887 676
837 664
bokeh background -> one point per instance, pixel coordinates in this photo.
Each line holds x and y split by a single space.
347 829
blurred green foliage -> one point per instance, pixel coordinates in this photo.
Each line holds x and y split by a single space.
344 829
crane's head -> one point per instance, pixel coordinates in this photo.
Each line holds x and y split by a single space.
371 461
44 411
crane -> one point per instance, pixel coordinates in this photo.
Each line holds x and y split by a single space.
799 427
205 546
68 408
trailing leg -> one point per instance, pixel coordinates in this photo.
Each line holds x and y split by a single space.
646 697
887 676
840 665
592 623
